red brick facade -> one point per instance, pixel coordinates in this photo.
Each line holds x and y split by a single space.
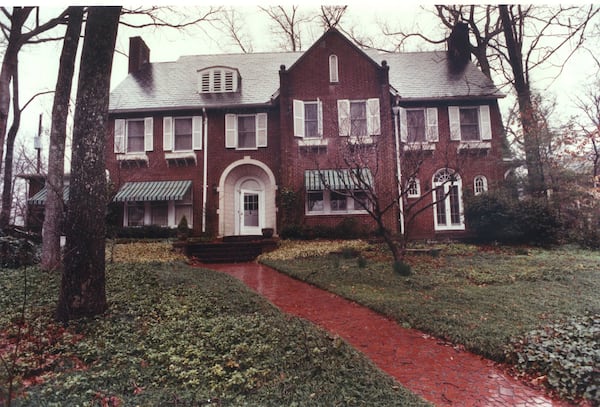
220 173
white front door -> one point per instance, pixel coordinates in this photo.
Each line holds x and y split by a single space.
250 211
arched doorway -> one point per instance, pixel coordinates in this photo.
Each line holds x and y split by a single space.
246 198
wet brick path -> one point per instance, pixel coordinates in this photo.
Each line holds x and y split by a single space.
438 372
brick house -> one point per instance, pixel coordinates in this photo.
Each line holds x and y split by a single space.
242 142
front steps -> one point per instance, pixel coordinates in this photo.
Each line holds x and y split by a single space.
229 249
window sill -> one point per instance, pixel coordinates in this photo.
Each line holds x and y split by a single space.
360 140
449 228
420 146
474 145
313 142
338 213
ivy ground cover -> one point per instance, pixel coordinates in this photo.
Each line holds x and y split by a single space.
538 310
175 335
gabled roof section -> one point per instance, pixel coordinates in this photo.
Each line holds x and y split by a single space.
329 32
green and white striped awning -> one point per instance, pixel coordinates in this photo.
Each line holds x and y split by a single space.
40 197
318 180
153 191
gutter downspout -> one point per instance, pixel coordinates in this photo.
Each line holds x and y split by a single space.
204 169
396 111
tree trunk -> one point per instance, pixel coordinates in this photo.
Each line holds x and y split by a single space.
82 291
9 67
54 208
529 123
8 159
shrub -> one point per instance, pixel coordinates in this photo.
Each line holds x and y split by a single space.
401 268
361 262
498 218
146 232
566 352
16 252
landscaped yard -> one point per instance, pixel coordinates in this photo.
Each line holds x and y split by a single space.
484 298
175 335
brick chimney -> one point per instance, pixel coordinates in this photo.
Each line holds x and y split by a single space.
139 54
459 48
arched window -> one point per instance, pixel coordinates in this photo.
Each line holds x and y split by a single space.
333 68
480 185
448 207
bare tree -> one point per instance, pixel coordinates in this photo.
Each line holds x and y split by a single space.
588 129
12 29
82 291
54 207
288 25
331 16
232 25
510 43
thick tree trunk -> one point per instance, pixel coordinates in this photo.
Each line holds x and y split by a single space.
53 220
82 291
528 116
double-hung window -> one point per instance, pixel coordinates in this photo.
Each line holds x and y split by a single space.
419 125
182 134
246 131
308 119
470 123
133 136
359 118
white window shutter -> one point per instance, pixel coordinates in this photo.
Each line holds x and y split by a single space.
197 132
432 124
230 131
167 133
373 120
319 118
403 125
261 130
148 134
485 125
454 118
344 117
119 136
298 118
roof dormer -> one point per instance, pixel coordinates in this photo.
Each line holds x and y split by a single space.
218 79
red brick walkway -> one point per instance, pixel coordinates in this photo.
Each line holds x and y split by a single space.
434 370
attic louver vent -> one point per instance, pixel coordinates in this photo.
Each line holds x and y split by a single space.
218 80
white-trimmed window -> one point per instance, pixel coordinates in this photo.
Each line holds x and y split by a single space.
133 136
218 79
328 202
308 119
413 188
470 123
182 133
419 125
480 185
448 207
246 131
160 213
333 69
359 118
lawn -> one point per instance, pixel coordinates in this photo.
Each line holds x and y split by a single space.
176 335
484 298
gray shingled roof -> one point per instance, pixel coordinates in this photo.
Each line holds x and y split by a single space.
426 76
173 85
